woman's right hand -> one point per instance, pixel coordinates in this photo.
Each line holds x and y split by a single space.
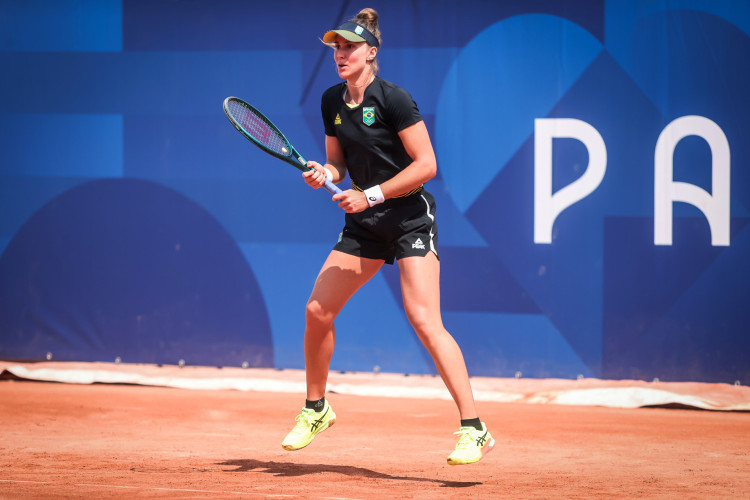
315 177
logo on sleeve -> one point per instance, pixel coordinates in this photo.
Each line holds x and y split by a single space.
368 116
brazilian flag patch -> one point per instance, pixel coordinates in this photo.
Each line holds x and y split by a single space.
368 116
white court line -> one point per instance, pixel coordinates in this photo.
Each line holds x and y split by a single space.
109 486
22 481
126 487
90 485
163 489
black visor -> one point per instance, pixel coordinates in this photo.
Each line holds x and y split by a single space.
353 32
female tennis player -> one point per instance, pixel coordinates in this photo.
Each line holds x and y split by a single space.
374 131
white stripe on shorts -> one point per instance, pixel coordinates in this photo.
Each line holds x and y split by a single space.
432 218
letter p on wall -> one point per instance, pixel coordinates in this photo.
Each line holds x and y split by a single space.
548 206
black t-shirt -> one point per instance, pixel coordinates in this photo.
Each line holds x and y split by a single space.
368 133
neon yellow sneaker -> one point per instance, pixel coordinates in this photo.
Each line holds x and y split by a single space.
471 444
309 424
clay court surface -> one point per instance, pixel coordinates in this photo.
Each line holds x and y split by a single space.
129 441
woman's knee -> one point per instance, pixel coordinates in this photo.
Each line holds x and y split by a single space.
427 328
317 315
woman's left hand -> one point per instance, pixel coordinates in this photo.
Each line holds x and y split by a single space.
352 201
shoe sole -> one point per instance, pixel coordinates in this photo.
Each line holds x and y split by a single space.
485 450
329 424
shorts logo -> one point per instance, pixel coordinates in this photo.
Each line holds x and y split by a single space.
418 244
368 116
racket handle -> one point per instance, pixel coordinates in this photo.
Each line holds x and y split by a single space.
331 187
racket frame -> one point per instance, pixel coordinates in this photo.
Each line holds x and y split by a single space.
293 157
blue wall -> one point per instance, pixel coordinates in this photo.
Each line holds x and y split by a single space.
133 224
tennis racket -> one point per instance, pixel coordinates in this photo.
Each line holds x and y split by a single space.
256 127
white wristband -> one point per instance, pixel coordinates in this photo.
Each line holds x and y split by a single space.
374 195
329 175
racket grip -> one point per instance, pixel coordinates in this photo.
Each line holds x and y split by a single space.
331 187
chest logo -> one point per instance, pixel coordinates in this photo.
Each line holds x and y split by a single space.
368 116
337 121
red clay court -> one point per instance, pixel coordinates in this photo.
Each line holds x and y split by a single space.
144 433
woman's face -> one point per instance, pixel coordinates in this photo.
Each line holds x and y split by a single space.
351 57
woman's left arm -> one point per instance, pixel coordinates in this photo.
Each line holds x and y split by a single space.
417 143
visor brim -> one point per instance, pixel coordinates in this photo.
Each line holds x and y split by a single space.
330 36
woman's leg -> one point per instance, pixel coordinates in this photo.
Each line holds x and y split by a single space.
341 276
420 287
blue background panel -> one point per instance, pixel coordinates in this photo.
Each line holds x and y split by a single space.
128 268
136 222
61 25
61 145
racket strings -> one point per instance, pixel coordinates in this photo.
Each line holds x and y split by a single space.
258 128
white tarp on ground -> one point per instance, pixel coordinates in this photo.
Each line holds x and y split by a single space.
587 392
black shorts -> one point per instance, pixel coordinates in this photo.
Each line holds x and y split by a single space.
394 229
